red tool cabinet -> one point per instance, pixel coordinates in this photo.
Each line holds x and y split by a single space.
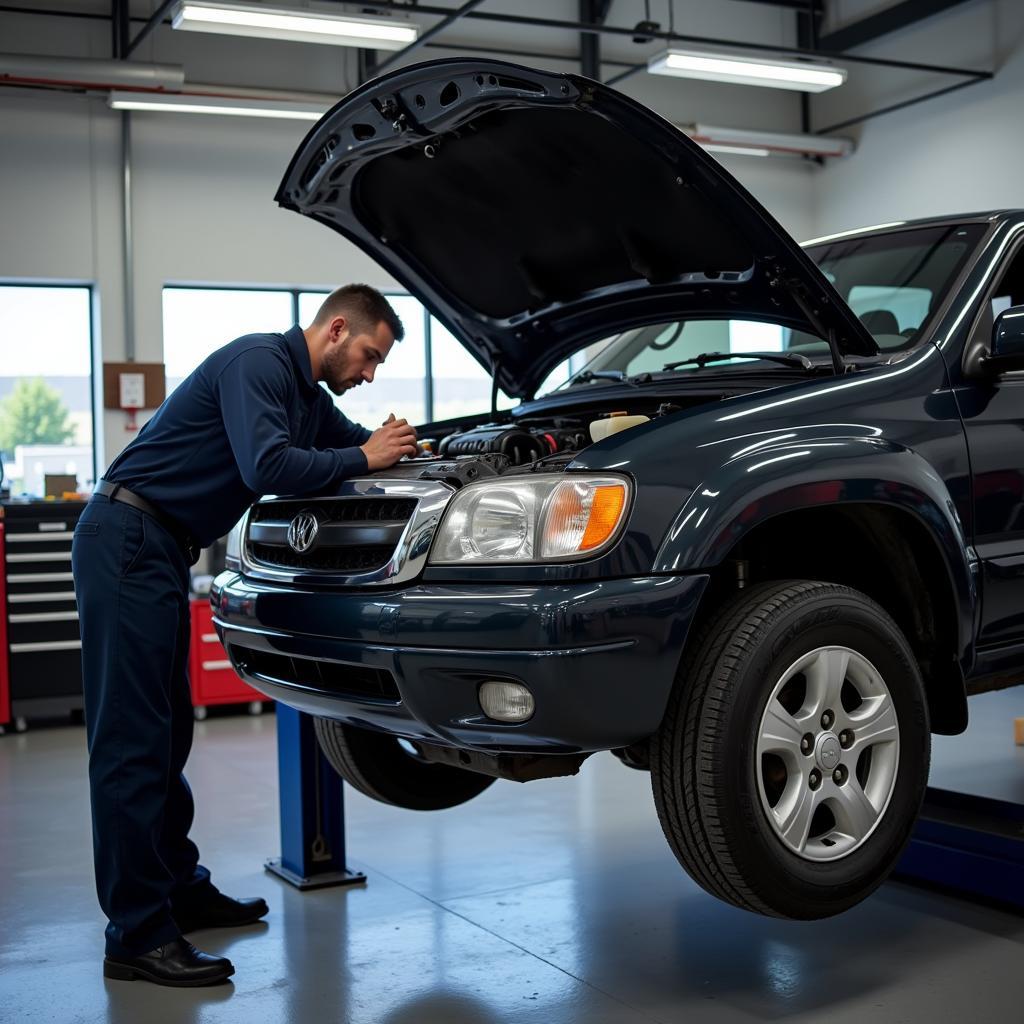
214 681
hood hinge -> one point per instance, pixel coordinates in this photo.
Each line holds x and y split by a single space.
797 292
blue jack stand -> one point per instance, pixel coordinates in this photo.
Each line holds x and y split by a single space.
968 845
312 809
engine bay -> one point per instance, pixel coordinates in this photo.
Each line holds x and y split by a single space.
468 452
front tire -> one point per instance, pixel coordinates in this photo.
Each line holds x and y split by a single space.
793 757
387 769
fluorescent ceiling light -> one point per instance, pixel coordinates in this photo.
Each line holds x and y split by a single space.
299 24
738 150
771 143
177 103
729 67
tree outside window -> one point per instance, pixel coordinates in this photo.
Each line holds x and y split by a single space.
33 413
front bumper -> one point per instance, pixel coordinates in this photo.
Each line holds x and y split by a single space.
599 657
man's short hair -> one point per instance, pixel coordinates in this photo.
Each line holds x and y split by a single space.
363 307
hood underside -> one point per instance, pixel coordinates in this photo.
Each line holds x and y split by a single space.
533 212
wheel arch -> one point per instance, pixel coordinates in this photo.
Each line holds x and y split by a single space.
884 524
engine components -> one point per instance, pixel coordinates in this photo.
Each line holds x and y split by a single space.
520 446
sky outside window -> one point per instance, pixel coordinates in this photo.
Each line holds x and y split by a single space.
198 321
45 385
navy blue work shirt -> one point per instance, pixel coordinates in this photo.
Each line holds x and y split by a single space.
248 421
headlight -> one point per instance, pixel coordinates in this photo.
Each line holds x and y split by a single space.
233 551
536 519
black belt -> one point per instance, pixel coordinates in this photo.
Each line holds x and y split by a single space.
190 547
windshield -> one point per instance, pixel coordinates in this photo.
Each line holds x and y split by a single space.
892 281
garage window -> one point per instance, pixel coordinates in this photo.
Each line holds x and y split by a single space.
198 321
401 385
429 376
46 407
461 385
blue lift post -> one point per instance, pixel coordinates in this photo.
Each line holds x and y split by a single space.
312 809
968 845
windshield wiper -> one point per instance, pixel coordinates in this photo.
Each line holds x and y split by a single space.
786 358
585 376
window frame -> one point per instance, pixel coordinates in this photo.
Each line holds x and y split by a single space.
978 339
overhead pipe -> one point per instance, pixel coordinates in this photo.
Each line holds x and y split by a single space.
103 76
86 73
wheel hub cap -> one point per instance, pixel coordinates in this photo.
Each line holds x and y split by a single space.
828 753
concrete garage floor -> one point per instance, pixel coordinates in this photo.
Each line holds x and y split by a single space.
555 901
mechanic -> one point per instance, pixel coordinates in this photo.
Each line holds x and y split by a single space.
250 420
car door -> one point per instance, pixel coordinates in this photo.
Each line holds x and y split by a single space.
993 410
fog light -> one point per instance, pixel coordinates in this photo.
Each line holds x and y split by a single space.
506 702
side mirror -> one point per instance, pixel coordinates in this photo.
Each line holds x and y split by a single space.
1007 342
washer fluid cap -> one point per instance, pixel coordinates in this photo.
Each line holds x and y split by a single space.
600 429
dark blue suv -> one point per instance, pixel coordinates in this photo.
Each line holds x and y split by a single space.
762 543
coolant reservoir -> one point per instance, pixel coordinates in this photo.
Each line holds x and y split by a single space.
613 423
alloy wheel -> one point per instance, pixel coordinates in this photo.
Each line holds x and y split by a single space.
827 753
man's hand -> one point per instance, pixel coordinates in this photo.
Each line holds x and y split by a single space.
389 443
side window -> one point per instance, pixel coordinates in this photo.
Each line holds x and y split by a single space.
1010 290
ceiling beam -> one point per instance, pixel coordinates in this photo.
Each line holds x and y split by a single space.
891 19
431 32
808 29
861 118
552 23
675 37
592 12
155 19
120 27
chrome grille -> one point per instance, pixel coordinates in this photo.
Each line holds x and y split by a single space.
373 531
339 510
334 559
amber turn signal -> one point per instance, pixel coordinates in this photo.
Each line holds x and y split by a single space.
582 516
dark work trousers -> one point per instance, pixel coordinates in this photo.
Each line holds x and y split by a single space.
132 582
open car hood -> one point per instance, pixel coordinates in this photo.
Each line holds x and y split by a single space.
532 212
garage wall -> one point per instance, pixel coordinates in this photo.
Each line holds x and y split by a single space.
958 153
203 187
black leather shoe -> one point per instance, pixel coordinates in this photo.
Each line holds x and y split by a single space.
176 963
220 911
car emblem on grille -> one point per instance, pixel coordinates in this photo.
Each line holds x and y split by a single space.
303 531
